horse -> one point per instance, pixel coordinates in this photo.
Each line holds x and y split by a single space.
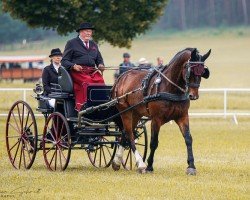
162 96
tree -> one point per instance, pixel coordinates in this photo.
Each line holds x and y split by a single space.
117 22
12 31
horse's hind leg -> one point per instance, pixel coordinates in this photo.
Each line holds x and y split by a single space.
155 128
183 124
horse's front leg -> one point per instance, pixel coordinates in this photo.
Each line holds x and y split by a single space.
183 124
155 128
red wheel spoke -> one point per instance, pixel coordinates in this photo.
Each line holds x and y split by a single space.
61 129
131 161
104 156
16 121
100 161
24 161
108 150
66 147
60 158
62 153
14 128
27 118
63 138
20 160
95 155
13 146
17 150
50 149
19 117
28 150
30 125
52 158
56 157
22 117
28 143
55 131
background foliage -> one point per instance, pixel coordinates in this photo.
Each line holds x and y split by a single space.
117 22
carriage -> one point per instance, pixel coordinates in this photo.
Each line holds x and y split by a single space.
93 129
111 125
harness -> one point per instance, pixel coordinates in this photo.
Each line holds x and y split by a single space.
195 67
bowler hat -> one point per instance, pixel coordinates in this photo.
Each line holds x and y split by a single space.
85 25
126 55
55 52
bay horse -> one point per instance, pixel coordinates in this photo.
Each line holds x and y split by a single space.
165 97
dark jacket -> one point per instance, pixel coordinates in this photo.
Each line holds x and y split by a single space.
49 76
125 67
75 52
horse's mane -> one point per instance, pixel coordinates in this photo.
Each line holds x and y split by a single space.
179 54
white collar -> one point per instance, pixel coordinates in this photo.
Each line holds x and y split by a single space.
84 41
56 66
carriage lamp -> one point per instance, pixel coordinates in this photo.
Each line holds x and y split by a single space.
38 89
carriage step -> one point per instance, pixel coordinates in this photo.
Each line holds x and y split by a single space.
101 133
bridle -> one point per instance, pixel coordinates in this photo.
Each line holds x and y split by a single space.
197 68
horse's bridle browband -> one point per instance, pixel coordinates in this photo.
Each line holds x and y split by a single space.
197 68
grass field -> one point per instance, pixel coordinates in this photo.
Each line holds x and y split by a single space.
221 148
221 151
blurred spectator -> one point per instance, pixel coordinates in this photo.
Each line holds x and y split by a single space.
124 66
159 62
143 63
3 66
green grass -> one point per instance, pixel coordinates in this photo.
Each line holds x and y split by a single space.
221 151
221 148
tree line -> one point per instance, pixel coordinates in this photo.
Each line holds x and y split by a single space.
187 14
118 22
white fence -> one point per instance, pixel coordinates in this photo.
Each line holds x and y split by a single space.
224 114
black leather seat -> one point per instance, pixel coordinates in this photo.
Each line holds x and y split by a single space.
65 81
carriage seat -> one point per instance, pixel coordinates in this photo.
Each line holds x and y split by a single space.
64 88
65 80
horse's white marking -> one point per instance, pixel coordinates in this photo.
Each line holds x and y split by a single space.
118 155
139 161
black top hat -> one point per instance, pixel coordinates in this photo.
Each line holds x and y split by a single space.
85 25
126 55
55 52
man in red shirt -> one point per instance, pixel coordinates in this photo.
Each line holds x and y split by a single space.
84 61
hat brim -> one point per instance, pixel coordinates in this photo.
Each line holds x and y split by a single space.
55 54
77 30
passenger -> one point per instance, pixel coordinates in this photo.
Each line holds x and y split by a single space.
80 58
159 62
124 66
143 63
50 73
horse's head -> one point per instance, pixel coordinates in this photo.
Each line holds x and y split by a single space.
194 70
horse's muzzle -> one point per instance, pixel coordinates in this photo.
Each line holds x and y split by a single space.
193 96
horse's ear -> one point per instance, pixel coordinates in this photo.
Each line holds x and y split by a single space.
204 57
193 54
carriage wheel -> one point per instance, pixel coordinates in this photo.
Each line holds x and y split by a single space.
56 142
102 154
21 135
141 143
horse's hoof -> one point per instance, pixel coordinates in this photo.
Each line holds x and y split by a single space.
191 171
141 170
115 167
149 170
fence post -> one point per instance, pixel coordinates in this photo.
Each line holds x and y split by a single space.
225 103
24 95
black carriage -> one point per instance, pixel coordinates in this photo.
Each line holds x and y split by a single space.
93 129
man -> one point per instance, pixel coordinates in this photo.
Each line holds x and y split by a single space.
50 73
124 66
80 58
